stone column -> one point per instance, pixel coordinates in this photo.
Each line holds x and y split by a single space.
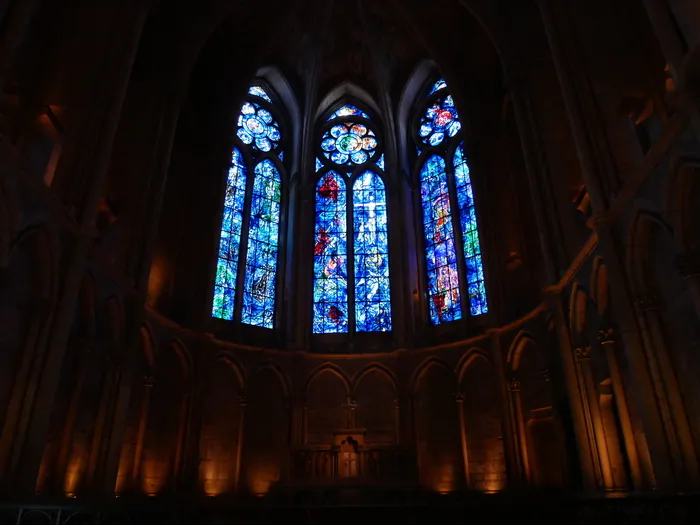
141 432
305 423
84 346
688 266
517 404
510 438
81 171
607 341
397 421
581 106
15 19
677 426
587 459
239 444
666 31
550 234
583 356
181 443
459 398
687 15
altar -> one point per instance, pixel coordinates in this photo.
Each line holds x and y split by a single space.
348 444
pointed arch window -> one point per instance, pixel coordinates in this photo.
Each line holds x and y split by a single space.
245 288
351 246
453 261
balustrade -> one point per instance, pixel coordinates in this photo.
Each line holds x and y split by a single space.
376 464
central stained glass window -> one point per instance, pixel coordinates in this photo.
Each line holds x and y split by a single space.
351 268
454 284
246 276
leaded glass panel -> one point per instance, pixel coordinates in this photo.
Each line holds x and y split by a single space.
229 244
331 256
371 251
470 235
440 256
263 239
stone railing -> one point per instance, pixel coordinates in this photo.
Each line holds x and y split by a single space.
380 464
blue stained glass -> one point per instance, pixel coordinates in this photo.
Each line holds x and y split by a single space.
371 250
439 120
348 110
258 91
229 244
331 256
470 234
440 257
319 164
348 144
263 239
380 163
440 84
258 128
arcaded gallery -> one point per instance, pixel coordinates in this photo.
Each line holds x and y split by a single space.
370 261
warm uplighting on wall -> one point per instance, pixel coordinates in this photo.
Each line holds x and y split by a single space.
445 479
214 483
74 471
158 279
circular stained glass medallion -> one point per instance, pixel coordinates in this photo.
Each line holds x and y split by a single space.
257 126
439 120
349 143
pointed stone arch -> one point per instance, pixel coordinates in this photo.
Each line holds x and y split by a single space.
375 367
469 357
330 368
518 346
276 369
425 366
347 91
227 358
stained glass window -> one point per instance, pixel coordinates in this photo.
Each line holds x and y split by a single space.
251 222
263 239
470 235
331 256
440 252
348 110
372 297
229 244
439 129
349 143
351 284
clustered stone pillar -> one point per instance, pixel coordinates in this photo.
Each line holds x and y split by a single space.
517 404
607 342
459 398
583 356
583 116
148 384
239 443
80 174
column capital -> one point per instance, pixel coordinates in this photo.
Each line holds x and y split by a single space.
606 335
583 353
514 385
148 381
459 397
243 401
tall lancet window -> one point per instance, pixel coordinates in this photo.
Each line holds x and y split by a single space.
453 264
247 270
351 245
